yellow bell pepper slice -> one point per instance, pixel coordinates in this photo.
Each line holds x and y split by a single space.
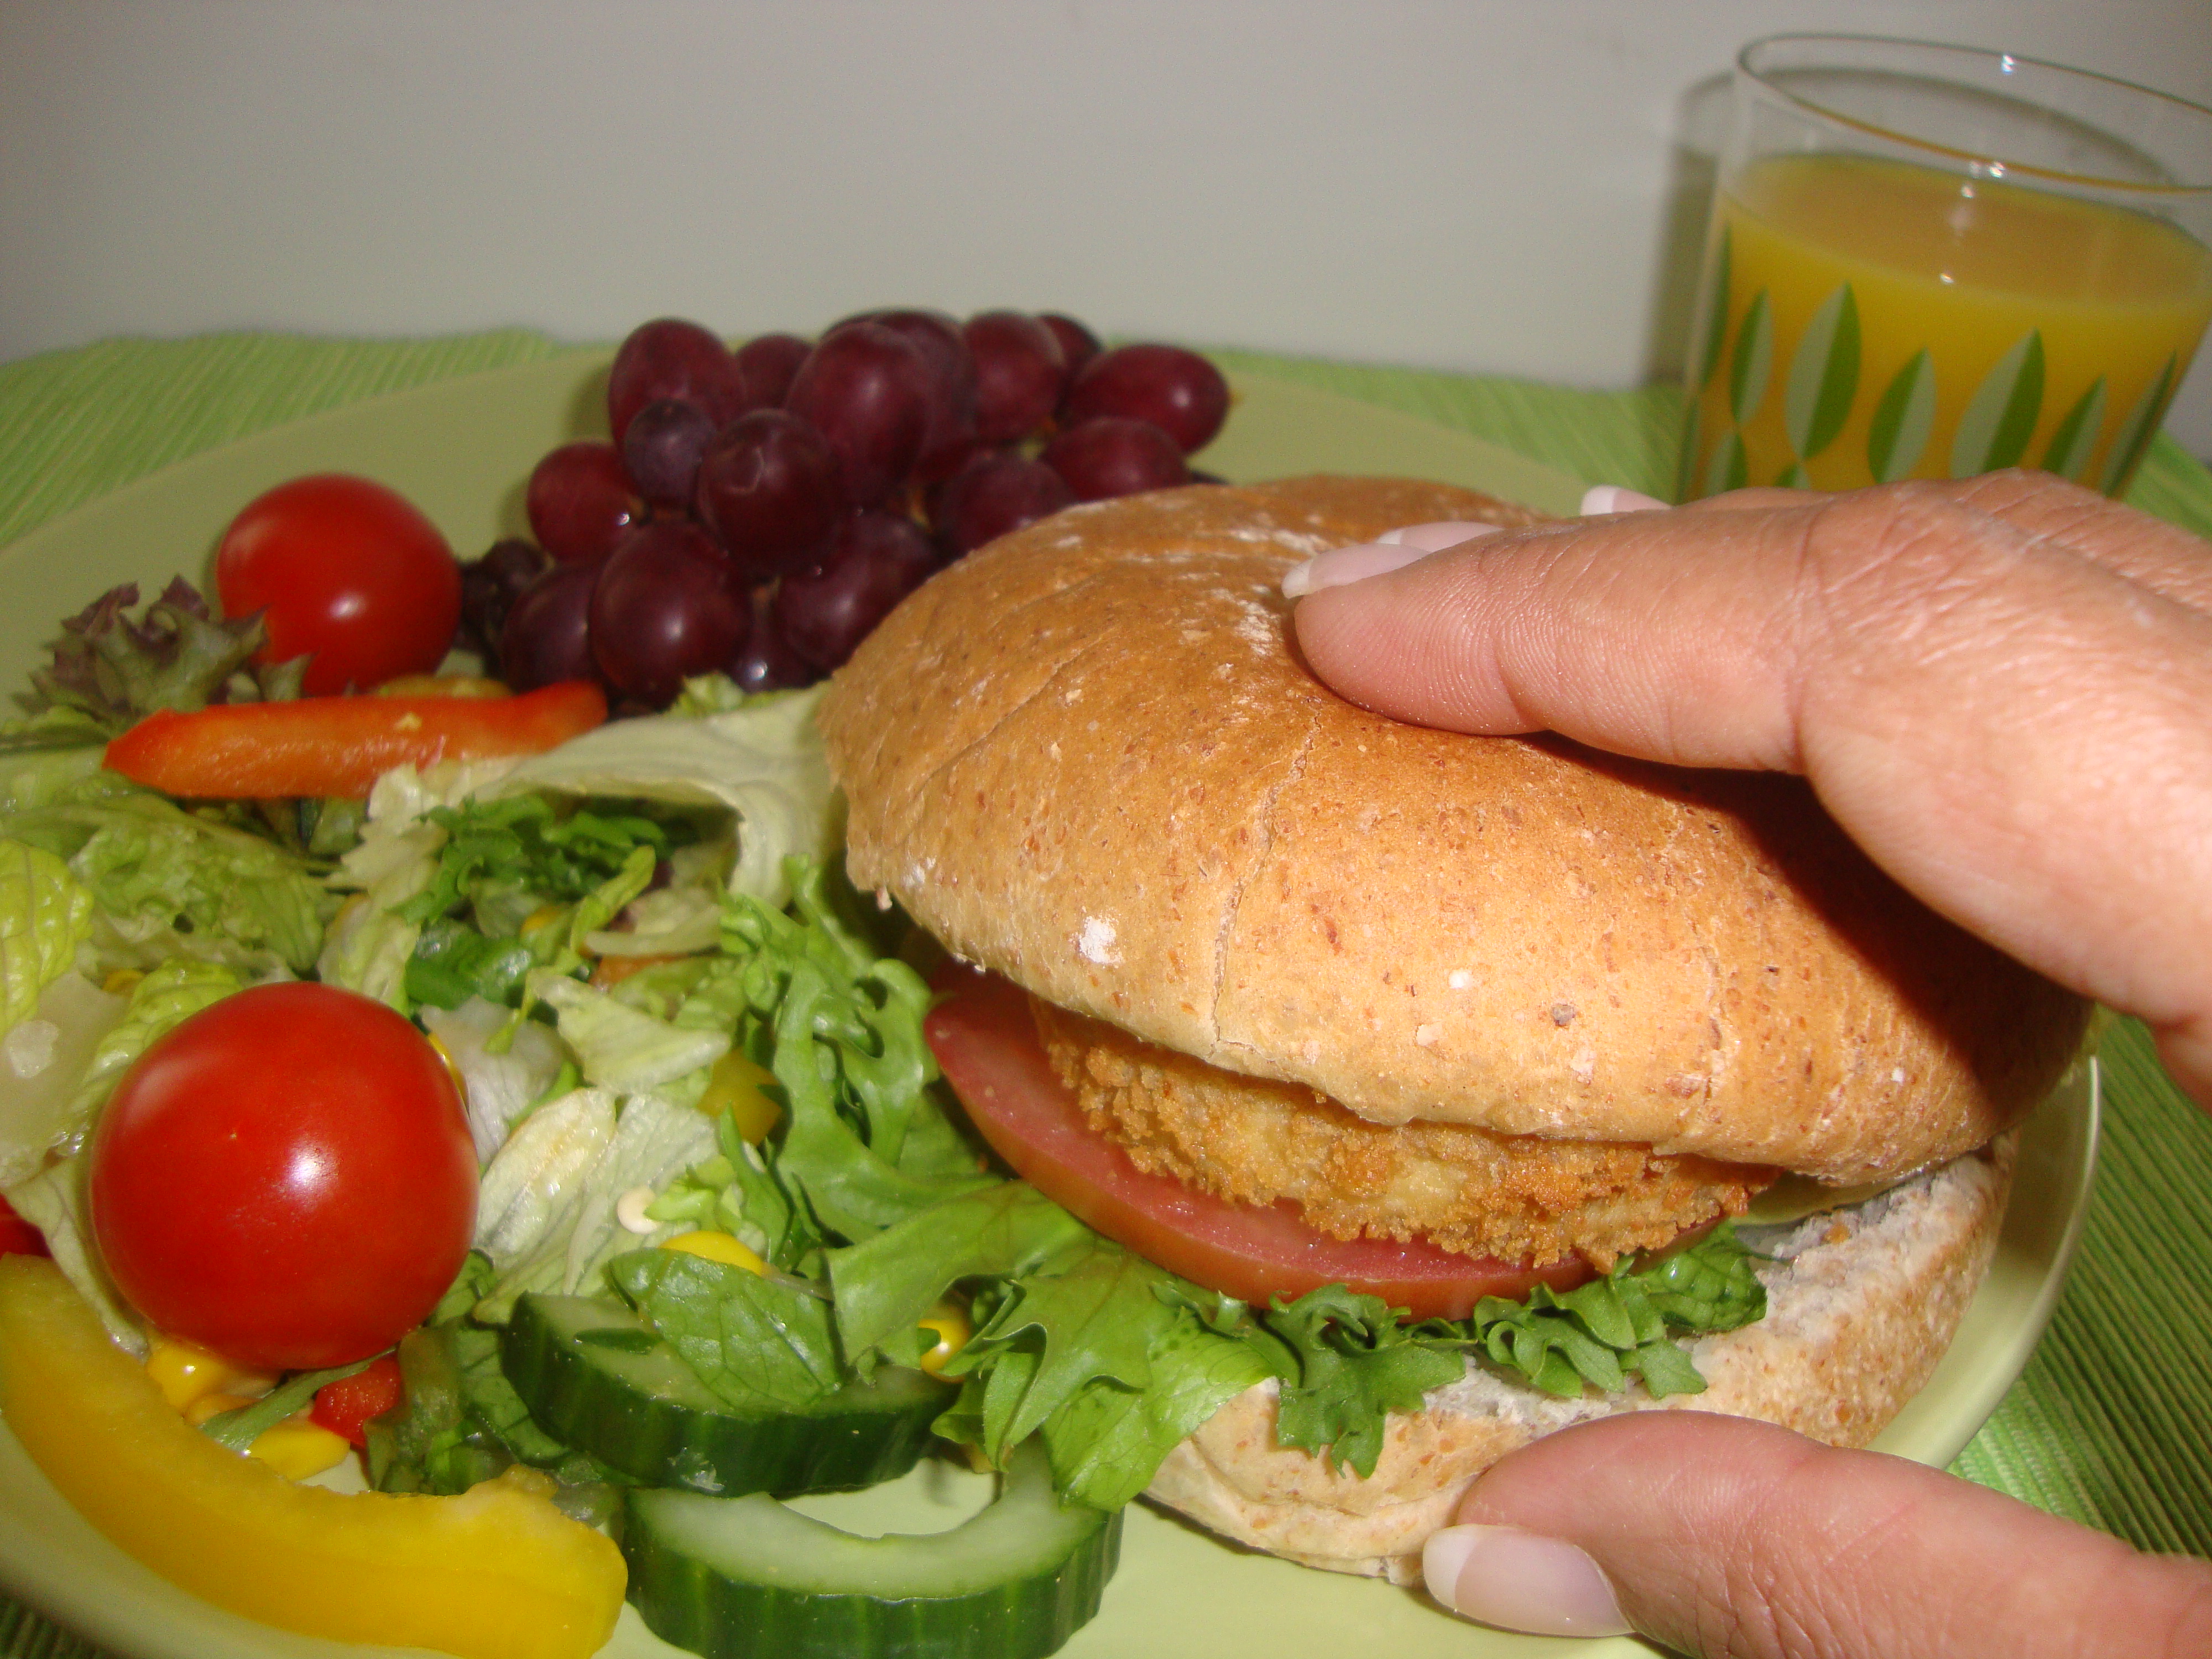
496 1573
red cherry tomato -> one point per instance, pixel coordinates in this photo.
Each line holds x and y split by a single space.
345 1407
287 1178
347 570
986 1044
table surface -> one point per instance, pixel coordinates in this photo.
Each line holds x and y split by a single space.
2107 1424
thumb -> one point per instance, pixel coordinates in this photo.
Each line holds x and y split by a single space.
1720 1536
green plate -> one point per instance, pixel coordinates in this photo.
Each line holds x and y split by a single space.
461 450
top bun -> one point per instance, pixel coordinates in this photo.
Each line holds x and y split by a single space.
1089 757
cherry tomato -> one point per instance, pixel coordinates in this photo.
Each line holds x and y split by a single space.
347 570
286 1178
984 1039
345 1407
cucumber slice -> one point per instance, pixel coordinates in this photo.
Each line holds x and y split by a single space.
595 1375
747 1578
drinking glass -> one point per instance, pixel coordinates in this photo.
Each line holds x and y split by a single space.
1929 261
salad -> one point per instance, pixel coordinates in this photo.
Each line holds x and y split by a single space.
730 1237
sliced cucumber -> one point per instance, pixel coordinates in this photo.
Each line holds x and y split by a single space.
747 1578
596 1376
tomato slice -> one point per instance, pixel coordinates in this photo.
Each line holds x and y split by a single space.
984 1039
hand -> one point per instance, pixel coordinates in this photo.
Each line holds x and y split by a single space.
2001 688
1720 1536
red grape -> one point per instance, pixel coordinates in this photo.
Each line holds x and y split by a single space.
873 560
866 389
768 489
1111 455
769 361
547 638
1020 372
766 662
1177 391
952 384
991 495
1077 344
669 604
661 450
580 502
490 587
669 357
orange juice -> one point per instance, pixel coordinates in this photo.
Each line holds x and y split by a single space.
1865 320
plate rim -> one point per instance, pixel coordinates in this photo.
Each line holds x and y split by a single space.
99 1612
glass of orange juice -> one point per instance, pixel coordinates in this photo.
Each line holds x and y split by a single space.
1929 261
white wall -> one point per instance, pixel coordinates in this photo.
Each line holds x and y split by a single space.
1487 184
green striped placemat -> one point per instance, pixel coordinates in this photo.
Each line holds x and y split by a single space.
2107 1423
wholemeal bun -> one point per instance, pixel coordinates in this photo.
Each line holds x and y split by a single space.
1089 757
1860 1304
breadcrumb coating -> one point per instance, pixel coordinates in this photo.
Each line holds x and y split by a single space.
1254 1140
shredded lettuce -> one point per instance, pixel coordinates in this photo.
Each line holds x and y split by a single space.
154 869
45 913
53 1201
761 760
43 1062
547 1218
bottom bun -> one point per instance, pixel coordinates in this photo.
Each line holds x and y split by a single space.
1860 1304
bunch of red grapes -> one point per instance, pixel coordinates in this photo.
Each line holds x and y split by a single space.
758 510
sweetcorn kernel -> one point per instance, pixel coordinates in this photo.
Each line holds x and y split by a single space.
298 1448
185 1372
716 1247
953 1330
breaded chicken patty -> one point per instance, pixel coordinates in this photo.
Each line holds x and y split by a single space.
1464 1188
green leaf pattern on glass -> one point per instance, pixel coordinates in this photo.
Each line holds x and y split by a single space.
1729 470
2076 439
1685 465
1753 363
1823 374
2136 431
2000 416
1902 421
1716 314
1794 477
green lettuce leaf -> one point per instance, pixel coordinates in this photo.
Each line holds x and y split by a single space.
53 1201
758 1343
523 840
46 1059
887 1284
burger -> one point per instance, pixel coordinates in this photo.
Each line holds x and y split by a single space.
1283 994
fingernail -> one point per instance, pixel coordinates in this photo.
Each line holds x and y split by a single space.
1435 537
1521 1581
1340 565
1616 498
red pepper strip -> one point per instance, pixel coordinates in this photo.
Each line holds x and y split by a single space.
17 1236
345 1407
340 746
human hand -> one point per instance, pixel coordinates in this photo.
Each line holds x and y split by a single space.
2001 688
1718 1537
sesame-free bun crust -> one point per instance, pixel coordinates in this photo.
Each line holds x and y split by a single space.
1088 756
1857 1316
